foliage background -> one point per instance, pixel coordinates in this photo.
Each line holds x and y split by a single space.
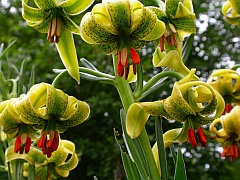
216 45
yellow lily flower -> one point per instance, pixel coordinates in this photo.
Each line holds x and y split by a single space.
121 26
51 16
229 134
186 104
12 126
50 110
178 15
227 83
58 165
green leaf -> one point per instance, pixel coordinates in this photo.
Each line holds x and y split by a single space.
31 172
134 146
180 171
161 149
2 53
174 155
87 64
129 166
187 47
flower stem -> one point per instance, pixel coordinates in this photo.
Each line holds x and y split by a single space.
127 98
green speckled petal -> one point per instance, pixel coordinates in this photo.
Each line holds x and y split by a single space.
33 14
34 156
56 102
46 4
74 7
95 30
120 14
10 119
107 48
171 7
161 15
146 25
80 114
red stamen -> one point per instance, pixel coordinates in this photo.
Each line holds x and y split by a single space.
28 144
192 138
202 137
134 69
162 43
135 56
126 69
17 145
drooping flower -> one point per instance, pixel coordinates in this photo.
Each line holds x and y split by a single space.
52 17
63 160
229 134
227 83
12 125
51 111
121 27
193 102
231 11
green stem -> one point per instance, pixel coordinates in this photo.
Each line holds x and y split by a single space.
161 149
139 88
235 67
157 81
127 98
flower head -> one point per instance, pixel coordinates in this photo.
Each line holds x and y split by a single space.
12 125
227 83
52 17
178 17
194 103
63 160
229 134
121 27
51 111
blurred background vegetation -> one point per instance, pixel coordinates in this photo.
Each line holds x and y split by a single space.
216 45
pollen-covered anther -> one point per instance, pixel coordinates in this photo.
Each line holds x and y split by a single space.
191 137
55 30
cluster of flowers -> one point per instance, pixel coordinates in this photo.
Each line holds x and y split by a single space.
41 115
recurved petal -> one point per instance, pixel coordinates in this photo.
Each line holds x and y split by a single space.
120 13
68 55
74 7
34 156
157 31
138 113
161 15
46 4
10 119
171 7
74 117
100 15
29 115
95 30
188 4
146 24
56 101
172 136
33 14
107 48
43 25
69 164
70 25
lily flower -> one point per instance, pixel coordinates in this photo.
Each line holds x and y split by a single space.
52 17
51 111
121 27
179 18
227 83
231 11
63 160
228 135
12 125
194 103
